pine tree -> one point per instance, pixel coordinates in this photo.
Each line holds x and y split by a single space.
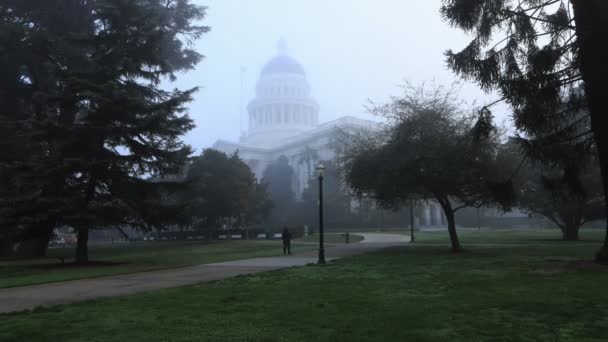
99 121
547 58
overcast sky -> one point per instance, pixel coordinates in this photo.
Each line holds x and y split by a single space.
352 51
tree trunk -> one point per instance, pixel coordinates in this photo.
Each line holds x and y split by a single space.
456 248
591 18
82 246
43 242
449 214
570 232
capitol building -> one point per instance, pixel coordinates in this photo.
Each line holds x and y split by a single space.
284 121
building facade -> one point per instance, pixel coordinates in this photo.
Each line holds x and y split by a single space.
283 120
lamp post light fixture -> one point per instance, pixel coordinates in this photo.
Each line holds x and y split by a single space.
320 170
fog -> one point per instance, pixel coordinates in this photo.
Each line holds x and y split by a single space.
351 51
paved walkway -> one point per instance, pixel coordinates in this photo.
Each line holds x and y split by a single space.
29 297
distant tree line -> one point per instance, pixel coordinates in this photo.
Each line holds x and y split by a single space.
343 210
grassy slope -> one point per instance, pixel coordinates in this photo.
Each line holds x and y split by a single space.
135 257
416 293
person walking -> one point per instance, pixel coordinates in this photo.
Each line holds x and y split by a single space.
286 236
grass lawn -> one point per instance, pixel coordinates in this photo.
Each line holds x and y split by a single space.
421 292
509 236
133 257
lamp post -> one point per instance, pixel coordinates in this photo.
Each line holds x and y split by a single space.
320 169
411 219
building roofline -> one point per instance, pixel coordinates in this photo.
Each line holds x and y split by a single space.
342 122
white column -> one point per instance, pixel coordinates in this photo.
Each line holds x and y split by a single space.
268 115
437 214
427 215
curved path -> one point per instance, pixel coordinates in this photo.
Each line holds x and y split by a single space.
384 238
30 297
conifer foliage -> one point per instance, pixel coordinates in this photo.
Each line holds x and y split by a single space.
85 118
547 58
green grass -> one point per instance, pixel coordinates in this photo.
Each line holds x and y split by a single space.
509 236
133 257
421 292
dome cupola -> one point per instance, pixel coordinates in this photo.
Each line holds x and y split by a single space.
282 63
283 106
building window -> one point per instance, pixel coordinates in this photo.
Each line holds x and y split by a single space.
277 112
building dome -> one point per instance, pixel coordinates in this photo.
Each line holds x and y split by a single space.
283 64
283 106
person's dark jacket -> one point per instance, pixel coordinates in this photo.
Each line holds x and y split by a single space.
286 236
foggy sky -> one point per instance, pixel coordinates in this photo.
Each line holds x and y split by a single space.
352 51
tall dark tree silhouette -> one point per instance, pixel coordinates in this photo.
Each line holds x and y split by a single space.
222 189
547 58
92 109
278 177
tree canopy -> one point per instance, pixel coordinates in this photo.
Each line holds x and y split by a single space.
278 177
547 59
83 89
549 191
431 149
221 189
